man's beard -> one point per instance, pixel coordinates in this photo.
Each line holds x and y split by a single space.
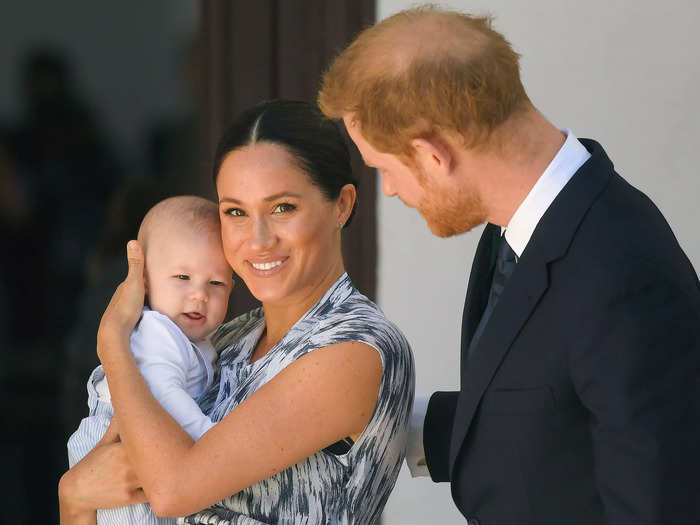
447 213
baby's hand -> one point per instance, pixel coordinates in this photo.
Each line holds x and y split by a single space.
126 305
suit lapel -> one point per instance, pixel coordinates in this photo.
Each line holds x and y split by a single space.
525 287
529 282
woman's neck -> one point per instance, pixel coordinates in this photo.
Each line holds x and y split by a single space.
281 315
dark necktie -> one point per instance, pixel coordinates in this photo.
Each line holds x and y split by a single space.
506 261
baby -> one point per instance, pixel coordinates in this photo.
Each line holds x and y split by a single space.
188 283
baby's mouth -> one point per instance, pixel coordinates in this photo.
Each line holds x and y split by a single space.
194 316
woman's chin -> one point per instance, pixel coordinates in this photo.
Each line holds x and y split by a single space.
267 292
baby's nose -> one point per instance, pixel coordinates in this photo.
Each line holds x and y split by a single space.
198 293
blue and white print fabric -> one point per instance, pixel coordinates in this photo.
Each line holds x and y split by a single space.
350 489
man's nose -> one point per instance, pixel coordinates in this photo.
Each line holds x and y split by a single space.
387 186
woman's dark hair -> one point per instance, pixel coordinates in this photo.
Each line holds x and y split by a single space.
314 141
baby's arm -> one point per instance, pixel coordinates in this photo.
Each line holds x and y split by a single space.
165 357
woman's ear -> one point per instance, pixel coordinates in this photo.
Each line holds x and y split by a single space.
433 156
345 202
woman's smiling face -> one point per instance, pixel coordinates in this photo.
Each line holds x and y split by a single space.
279 232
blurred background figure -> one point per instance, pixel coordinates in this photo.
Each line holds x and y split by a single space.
68 174
105 269
104 110
174 154
76 178
58 173
12 216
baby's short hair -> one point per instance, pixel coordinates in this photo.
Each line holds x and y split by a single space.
185 211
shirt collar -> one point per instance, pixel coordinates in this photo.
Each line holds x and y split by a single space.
565 163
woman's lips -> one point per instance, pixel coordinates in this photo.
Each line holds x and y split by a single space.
267 268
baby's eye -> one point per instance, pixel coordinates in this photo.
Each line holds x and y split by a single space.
284 207
236 212
183 277
216 283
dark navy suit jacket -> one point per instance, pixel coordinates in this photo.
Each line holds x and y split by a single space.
581 402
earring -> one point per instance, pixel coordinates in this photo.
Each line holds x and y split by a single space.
340 226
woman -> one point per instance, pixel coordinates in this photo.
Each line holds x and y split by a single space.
315 388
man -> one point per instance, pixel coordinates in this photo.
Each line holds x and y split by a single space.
580 359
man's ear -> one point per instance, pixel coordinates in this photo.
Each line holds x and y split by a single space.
433 155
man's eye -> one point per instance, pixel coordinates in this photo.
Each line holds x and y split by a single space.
236 212
284 207
183 277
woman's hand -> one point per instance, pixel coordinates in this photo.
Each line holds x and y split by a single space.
111 434
103 479
124 309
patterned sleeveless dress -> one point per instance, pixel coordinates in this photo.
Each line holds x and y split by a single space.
325 488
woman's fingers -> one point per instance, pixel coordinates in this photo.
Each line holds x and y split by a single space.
133 287
134 255
124 309
103 479
111 434
138 496
126 485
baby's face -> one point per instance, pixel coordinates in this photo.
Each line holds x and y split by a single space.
188 279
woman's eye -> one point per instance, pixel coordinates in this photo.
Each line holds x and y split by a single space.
236 212
284 207
183 277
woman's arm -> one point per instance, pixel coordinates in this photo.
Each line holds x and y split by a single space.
320 398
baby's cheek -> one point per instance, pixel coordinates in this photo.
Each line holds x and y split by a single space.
220 310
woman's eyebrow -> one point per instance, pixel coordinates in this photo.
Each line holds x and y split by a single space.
229 199
268 198
282 194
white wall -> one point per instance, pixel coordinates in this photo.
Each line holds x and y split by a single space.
624 73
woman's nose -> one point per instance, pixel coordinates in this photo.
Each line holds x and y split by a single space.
262 237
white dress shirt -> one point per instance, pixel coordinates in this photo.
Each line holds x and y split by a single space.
570 157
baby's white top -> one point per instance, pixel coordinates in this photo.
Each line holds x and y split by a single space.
176 370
